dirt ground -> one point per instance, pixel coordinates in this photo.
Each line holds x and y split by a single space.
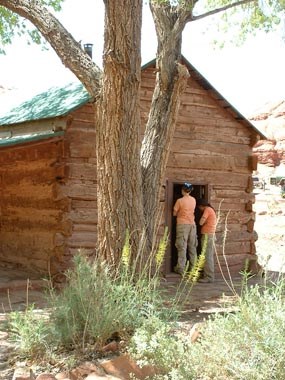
270 227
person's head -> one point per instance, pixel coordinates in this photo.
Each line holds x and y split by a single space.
187 188
202 204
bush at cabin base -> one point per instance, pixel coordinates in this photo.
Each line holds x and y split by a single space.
247 344
97 304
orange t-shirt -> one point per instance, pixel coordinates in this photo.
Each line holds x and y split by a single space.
184 210
208 221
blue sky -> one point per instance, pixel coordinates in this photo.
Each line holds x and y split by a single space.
247 76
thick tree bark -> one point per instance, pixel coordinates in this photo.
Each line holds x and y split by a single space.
118 133
171 81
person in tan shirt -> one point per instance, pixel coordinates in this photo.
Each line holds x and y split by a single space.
208 222
186 234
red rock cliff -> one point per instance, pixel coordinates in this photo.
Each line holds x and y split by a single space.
271 121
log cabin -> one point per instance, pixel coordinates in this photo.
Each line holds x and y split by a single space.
48 204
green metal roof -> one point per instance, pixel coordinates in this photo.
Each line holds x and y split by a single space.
57 101
29 138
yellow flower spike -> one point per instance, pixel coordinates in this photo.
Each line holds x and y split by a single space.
200 263
126 254
159 257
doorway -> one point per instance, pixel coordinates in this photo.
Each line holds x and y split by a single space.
173 193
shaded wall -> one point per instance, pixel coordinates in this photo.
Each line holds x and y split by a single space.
79 187
30 212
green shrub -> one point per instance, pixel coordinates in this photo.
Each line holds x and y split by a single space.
30 332
99 303
248 344
156 343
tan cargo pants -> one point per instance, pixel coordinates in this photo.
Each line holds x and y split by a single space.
186 237
209 268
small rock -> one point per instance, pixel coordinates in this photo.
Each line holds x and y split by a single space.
195 332
124 367
4 365
111 347
65 376
3 335
85 369
23 373
94 376
46 376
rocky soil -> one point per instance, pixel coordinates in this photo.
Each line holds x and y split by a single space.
270 227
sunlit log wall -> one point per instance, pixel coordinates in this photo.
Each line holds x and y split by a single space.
212 147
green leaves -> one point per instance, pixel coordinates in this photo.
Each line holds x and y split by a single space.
13 25
241 20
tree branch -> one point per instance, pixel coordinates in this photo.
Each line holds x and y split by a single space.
66 47
222 9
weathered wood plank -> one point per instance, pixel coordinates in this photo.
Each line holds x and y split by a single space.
80 204
35 177
234 247
224 163
40 191
222 193
205 126
84 171
87 191
84 216
82 239
211 135
194 175
36 127
209 147
28 202
85 228
27 242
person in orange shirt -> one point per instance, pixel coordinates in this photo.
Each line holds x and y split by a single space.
186 234
208 223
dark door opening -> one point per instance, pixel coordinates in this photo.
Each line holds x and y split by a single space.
199 191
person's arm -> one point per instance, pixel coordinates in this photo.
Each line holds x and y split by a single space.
203 218
176 208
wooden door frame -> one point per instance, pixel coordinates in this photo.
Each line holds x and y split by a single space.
169 187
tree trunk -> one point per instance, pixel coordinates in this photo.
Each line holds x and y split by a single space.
171 81
118 133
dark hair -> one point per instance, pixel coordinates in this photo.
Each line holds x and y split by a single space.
188 187
204 202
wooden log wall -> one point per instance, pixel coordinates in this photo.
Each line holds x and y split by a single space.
30 212
211 147
49 190
81 187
